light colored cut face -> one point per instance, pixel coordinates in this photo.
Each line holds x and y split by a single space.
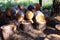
9 27
17 11
58 26
21 6
20 19
29 15
53 37
7 31
40 18
57 17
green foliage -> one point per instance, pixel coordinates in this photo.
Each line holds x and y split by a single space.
10 4
47 3
27 3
